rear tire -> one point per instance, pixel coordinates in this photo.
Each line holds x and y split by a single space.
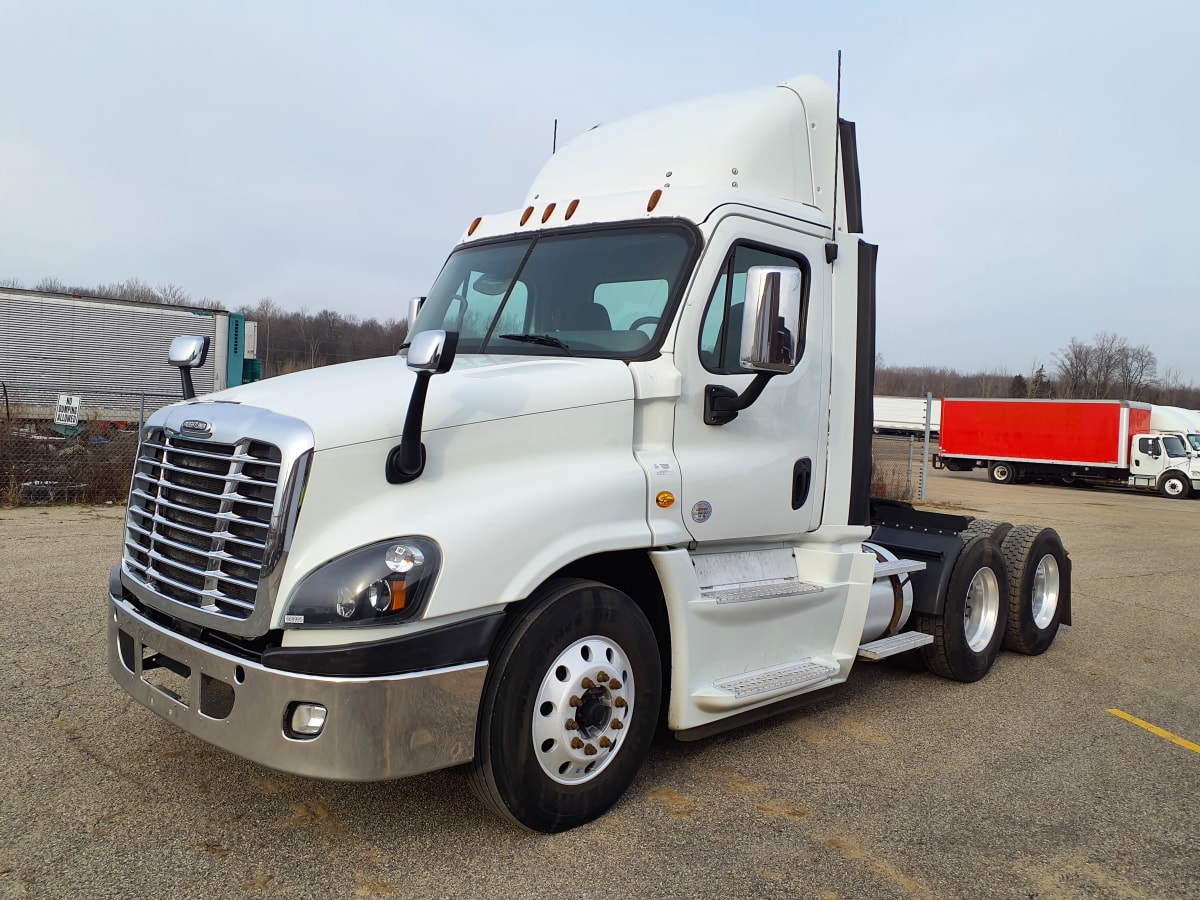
1039 588
1002 472
569 709
968 634
998 531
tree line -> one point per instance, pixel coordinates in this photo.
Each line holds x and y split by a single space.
1107 367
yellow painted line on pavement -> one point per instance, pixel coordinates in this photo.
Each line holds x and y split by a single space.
1154 729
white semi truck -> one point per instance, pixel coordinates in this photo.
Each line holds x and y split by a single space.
619 479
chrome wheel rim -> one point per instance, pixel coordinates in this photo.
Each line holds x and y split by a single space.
1044 601
982 609
581 711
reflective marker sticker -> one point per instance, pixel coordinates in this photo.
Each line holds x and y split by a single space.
702 511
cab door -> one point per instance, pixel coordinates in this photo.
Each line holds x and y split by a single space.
762 474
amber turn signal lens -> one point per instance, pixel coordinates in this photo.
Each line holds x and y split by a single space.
665 499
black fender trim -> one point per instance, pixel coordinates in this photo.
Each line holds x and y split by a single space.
438 648
933 538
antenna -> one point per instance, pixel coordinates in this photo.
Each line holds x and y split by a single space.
837 144
554 145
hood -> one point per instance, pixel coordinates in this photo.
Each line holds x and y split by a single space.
367 400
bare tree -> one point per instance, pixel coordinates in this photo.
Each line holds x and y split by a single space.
11 283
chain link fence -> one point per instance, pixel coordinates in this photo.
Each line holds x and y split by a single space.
91 461
899 466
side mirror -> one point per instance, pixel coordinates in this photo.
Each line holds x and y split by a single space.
187 351
771 339
430 353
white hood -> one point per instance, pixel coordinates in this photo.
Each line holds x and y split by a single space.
367 400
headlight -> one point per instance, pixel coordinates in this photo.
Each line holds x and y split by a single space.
379 584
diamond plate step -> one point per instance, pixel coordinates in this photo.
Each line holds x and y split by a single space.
898 567
764 681
897 643
772 591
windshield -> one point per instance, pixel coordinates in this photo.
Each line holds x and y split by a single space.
586 293
1173 445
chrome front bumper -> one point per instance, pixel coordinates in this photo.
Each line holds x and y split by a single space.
376 728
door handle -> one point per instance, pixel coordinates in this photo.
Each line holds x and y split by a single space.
801 481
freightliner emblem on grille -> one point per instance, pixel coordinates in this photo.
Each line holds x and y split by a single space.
196 426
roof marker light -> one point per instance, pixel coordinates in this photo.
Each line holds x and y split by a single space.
548 213
525 215
571 207
474 225
654 198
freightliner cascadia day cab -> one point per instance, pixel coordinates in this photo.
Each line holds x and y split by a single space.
619 480
1109 441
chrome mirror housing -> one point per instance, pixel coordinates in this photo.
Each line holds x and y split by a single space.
771 337
188 351
432 351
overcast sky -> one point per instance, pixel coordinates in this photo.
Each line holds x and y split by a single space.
1031 171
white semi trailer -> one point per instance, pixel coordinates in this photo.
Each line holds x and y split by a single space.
620 478
108 351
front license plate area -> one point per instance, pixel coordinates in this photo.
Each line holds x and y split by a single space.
167 676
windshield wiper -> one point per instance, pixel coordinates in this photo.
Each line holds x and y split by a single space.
546 340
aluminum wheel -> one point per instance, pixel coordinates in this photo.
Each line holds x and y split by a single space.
1044 601
584 703
982 609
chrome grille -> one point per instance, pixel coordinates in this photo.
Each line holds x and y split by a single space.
199 520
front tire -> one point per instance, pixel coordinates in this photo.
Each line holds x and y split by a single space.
1175 485
968 634
1039 588
569 709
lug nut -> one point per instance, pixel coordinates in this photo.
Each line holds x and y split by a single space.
616 723
575 702
588 684
572 725
576 743
590 750
620 703
602 677
614 685
605 743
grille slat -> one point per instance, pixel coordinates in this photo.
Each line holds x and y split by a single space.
199 520
176 486
236 457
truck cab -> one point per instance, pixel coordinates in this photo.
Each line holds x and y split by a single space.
1151 456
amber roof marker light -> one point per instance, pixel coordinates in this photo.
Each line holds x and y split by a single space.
654 198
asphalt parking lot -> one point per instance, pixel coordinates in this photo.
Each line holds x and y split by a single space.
901 785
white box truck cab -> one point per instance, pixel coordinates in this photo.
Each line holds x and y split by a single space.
620 478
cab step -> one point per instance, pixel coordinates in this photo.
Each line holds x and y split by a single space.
897 643
800 673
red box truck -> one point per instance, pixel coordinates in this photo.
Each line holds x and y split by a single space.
1066 440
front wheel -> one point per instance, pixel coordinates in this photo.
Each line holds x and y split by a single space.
1174 485
968 633
570 707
